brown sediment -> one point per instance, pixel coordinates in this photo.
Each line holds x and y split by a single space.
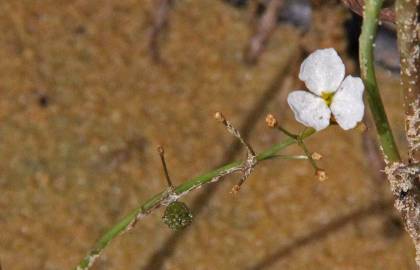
70 170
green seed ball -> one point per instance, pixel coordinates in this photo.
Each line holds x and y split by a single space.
177 216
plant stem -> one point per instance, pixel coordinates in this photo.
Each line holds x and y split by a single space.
293 157
301 143
161 198
408 174
366 41
408 31
403 179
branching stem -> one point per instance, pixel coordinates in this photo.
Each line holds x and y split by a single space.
162 198
273 123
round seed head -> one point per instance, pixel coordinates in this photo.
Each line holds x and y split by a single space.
321 174
177 216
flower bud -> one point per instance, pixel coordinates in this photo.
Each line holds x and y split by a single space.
361 127
316 156
219 117
321 174
271 120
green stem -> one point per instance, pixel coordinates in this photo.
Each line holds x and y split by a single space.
366 41
182 189
289 157
308 154
301 143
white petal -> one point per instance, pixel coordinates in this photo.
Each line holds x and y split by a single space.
310 110
322 71
347 104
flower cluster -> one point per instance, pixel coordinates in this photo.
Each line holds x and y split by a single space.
323 74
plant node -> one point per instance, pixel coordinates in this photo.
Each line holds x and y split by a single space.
251 158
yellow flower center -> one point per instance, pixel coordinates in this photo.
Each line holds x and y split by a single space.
327 97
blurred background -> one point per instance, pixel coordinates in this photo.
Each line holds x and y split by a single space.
88 89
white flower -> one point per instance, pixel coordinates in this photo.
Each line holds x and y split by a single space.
323 74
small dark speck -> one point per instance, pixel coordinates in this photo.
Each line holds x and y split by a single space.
260 9
393 227
43 101
402 194
80 30
237 3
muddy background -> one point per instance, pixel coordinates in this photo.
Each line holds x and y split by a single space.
83 107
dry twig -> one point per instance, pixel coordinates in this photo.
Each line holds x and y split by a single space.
160 23
405 177
373 154
265 27
408 30
251 158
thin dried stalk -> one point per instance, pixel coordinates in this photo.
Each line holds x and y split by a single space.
373 155
405 185
405 178
408 30
263 31
160 22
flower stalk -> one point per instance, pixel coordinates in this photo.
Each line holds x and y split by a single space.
311 157
366 44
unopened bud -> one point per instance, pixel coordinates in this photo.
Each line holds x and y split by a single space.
321 174
219 117
235 189
271 120
316 156
361 127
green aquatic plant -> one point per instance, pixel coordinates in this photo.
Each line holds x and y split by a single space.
403 175
173 193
